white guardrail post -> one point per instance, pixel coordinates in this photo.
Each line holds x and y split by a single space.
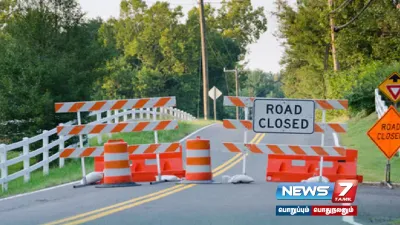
25 149
125 115
60 147
148 112
133 114
116 120
154 113
98 118
45 153
109 121
4 168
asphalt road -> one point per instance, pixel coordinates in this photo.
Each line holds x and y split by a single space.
217 204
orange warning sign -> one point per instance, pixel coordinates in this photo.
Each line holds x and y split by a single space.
391 87
386 132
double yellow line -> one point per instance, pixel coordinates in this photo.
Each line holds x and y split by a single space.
102 212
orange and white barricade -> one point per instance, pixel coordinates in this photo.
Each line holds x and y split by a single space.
80 129
318 127
290 150
88 106
117 171
132 149
285 149
322 104
245 102
144 165
198 162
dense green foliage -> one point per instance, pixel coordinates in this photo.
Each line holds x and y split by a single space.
161 54
46 56
50 52
366 50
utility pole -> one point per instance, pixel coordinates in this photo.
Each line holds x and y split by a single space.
237 86
204 58
332 25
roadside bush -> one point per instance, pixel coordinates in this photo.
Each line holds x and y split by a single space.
358 85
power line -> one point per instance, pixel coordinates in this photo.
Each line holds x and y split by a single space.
226 48
338 28
344 4
220 64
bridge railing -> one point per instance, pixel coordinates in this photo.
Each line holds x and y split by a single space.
7 159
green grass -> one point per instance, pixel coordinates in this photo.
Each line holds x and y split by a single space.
18 166
70 172
395 222
72 169
371 161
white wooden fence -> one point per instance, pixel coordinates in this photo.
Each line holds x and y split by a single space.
59 142
380 106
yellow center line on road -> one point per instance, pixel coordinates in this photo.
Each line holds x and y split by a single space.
103 214
259 139
143 199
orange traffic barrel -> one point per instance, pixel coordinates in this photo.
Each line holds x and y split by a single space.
117 172
198 162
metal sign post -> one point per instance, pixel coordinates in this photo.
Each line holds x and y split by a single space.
84 182
321 163
387 180
157 153
215 104
246 117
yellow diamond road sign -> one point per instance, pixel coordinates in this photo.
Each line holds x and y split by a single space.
391 87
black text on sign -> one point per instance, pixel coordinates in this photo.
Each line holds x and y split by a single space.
284 116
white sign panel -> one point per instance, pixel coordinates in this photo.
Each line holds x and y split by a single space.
214 93
293 116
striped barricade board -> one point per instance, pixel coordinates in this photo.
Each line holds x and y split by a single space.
117 127
322 104
284 149
318 127
65 107
132 150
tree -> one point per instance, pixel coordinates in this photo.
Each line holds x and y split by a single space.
48 54
238 20
305 35
165 51
261 84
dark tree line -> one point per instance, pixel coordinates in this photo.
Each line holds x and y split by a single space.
50 52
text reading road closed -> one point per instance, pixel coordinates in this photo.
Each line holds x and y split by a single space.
283 116
394 128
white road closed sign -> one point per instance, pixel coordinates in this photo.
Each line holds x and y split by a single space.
293 116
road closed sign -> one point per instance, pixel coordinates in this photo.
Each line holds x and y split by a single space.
386 132
291 116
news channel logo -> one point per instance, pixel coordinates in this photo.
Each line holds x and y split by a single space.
305 191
